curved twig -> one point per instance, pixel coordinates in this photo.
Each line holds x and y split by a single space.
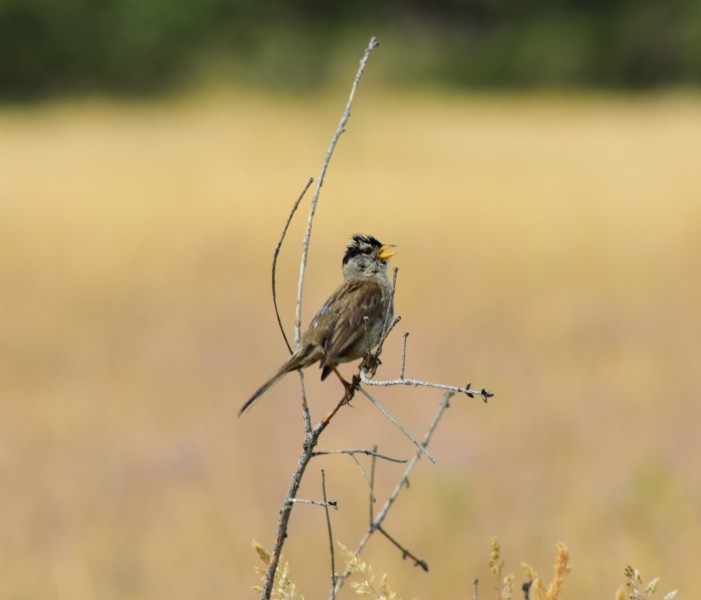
275 255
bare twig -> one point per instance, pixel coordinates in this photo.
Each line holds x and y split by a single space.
401 373
445 403
283 522
396 423
395 272
386 326
311 436
467 389
323 503
362 471
306 417
328 526
367 334
312 433
320 181
372 486
353 453
475 583
275 255
360 451
377 521
485 394
311 439
419 562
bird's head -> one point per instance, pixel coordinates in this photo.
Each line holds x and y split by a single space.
366 257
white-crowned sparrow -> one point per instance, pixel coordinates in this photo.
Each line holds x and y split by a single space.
340 332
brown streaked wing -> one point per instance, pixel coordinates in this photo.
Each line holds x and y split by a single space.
361 298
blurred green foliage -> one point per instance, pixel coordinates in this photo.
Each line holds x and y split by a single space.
50 47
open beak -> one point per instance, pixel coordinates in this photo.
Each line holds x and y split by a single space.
386 252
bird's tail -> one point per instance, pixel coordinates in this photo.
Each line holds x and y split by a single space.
296 361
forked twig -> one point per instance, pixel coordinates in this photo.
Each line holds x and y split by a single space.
377 521
397 424
312 433
310 440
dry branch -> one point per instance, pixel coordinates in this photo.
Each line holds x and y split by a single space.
366 371
311 435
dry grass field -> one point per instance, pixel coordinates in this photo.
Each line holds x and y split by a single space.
550 250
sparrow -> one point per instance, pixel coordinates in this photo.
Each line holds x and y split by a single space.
352 321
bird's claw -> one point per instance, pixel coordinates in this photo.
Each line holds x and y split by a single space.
350 389
370 364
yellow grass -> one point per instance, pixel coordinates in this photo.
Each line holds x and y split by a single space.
550 249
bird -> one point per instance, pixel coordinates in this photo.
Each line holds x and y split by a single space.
352 321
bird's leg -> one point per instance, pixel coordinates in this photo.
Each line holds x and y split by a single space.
349 387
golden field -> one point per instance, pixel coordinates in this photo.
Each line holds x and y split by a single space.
550 250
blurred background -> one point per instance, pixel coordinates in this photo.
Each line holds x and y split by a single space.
537 165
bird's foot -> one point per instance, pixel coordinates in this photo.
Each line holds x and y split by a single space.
370 364
350 388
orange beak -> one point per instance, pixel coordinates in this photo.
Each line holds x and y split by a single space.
386 252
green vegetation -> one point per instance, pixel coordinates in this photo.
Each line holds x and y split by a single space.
135 47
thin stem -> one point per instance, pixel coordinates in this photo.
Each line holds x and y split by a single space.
311 439
395 271
377 521
283 522
372 485
275 256
401 373
386 334
412 463
362 471
485 394
320 181
367 334
328 526
419 562
360 451
386 326
306 417
397 424
323 503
